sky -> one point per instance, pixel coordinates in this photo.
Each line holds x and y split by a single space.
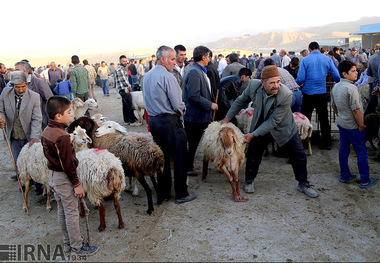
63 28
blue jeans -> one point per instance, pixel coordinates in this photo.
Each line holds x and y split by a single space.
105 86
356 138
135 80
296 101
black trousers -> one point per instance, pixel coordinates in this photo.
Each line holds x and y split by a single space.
127 107
318 102
168 133
294 147
194 132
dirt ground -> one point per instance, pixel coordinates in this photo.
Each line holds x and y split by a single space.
278 223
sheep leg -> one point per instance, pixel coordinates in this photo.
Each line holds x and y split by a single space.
230 180
102 216
118 211
27 188
148 192
204 169
155 185
48 204
309 146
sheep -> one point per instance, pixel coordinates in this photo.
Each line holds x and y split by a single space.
139 154
101 174
372 123
99 118
305 128
138 104
32 164
223 145
110 127
79 107
244 119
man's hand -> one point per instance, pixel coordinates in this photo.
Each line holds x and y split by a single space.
361 128
214 107
224 121
2 123
33 140
248 137
79 191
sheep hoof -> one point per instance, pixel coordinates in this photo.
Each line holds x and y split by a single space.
149 212
121 226
24 208
48 209
101 228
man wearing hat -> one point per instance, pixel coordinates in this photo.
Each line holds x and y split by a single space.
20 113
272 117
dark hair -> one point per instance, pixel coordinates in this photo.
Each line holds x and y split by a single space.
85 62
245 72
199 52
57 104
75 59
335 49
313 45
268 62
323 50
210 53
68 76
234 57
364 65
59 80
121 57
295 61
179 48
274 51
345 66
331 53
102 62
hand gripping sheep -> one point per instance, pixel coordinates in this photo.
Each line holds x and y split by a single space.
223 145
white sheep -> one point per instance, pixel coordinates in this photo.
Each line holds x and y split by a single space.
138 104
223 145
100 173
79 107
110 127
99 118
305 128
32 164
244 119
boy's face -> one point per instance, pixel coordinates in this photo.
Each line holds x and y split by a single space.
352 74
64 118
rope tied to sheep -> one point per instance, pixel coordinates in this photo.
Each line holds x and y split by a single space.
237 198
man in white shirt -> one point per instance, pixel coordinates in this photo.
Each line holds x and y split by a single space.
45 74
285 60
222 64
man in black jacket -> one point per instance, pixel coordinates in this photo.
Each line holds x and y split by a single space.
3 70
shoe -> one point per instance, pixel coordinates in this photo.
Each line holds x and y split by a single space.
371 182
185 199
135 124
192 173
249 188
14 177
306 189
66 247
350 177
85 250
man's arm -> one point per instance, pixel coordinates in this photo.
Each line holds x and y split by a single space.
334 71
35 123
359 119
175 97
74 84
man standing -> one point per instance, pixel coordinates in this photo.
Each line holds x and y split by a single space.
199 102
244 61
276 58
180 67
293 67
54 75
133 70
303 54
123 88
373 80
272 116
92 77
80 82
285 60
163 101
221 64
312 75
20 113
3 71
336 51
103 72
234 67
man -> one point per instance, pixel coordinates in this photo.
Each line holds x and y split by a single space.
285 60
331 55
312 75
45 74
336 52
54 75
373 80
244 60
3 71
112 68
251 63
39 86
213 75
80 82
276 58
234 67
91 76
20 114
260 68
303 54
351 53
222 64
293 67
272 116
103 72
180 68
123 88
163 101
133 70
199 103
152 62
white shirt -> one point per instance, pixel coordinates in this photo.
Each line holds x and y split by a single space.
45 74
222 64
181 70
285 61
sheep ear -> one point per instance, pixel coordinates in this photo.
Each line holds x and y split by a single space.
88 139
105 118
120 128
71 137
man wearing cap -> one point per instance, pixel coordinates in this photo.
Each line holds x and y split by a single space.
272 117
20 113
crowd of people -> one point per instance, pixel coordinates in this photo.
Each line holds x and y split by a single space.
182 97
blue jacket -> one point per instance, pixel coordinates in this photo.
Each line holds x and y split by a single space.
313 71
63 87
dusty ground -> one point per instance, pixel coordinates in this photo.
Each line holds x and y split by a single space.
277 223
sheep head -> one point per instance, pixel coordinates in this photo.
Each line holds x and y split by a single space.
109 127
228 138
91 104
86 123
77 103
99 118
80 138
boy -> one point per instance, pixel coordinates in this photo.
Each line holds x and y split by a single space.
347 106
62 164
64 87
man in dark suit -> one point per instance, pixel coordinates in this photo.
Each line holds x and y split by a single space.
3 70
198 99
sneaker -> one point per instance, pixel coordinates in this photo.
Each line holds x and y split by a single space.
135 124
306 189
350 177
192 173
371 182
66 247
249 188
85 250
185 199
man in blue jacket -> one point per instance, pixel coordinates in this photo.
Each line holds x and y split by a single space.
198 99
312 75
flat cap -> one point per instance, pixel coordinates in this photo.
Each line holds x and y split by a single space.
270 72
18 77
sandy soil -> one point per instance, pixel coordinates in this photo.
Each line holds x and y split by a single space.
277 223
